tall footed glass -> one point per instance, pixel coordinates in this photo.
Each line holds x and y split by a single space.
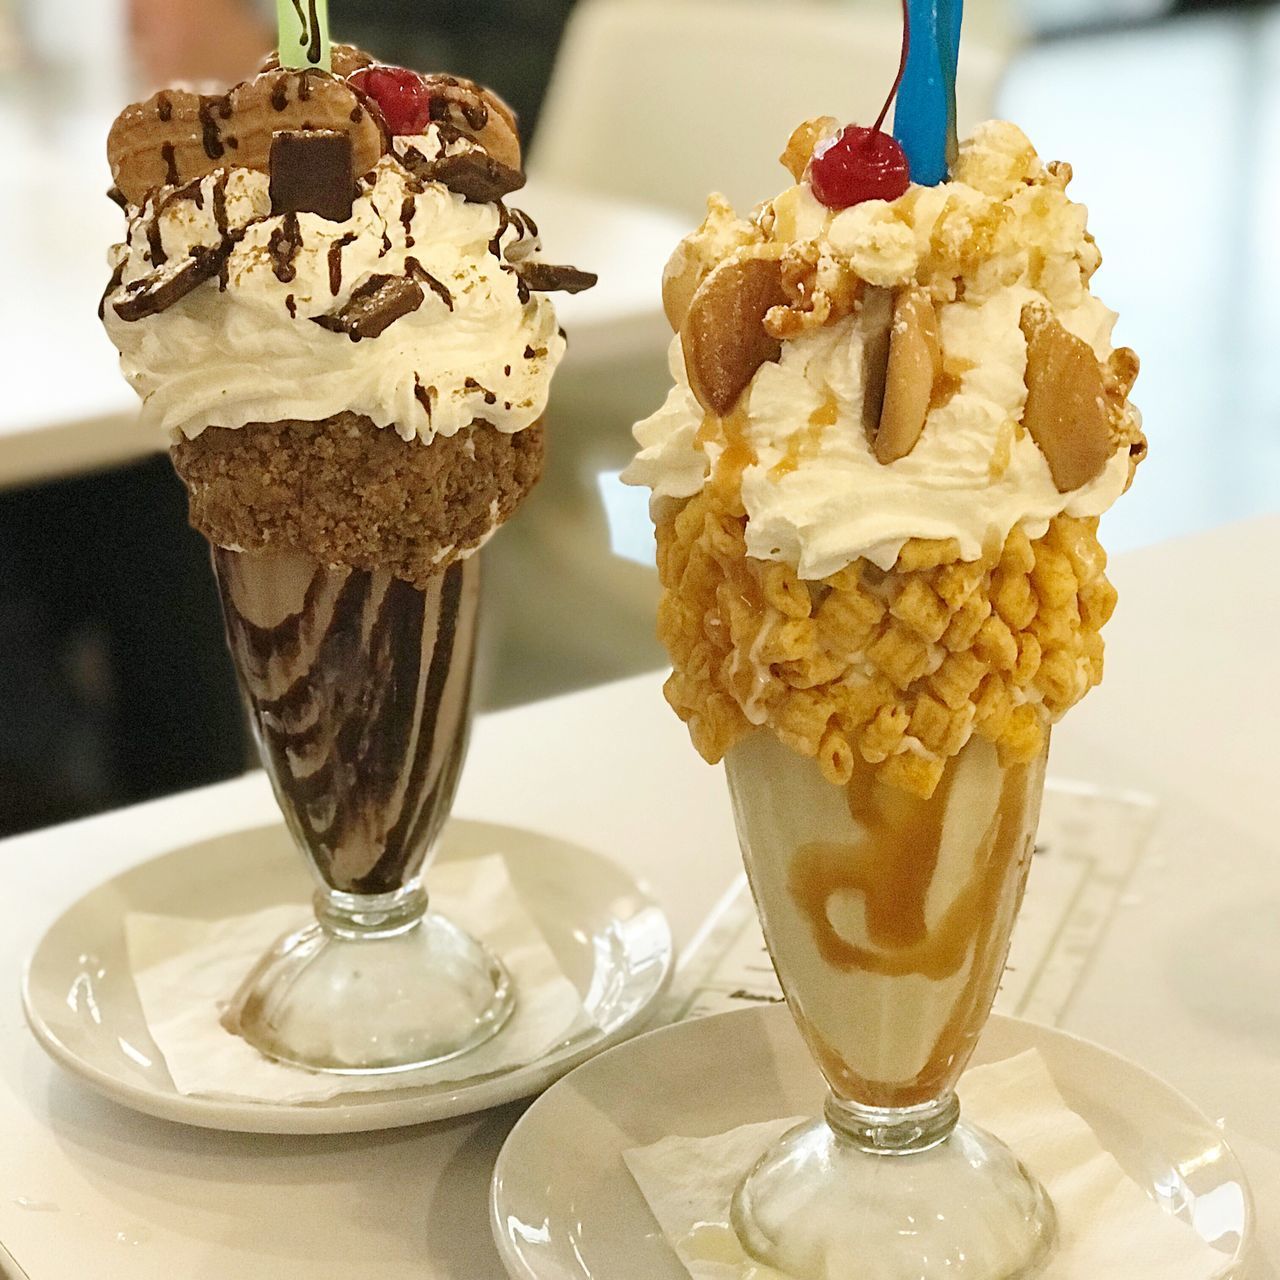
358 686
889 919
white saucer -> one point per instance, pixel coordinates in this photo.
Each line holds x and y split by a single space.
564 1207
611 939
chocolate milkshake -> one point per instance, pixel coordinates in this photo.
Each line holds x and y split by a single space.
341 326
358 685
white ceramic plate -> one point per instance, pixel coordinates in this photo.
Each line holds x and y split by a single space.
564 1207
611 939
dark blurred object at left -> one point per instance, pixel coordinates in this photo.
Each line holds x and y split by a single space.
115 684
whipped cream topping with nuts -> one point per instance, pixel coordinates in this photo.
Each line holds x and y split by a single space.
243 348
999 243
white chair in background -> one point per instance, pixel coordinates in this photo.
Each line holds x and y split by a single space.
660 102
663 100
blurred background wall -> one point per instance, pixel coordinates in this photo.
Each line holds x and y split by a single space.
113 684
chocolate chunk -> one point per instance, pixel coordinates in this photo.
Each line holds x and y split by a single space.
159 291
311 172
472 174
546 277
374 306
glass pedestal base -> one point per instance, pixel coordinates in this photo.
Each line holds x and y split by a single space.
376 984
917 1198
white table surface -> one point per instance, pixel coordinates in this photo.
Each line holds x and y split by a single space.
1185 984
66 407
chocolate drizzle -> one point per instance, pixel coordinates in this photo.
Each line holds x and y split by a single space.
169 155
164 108
283 246
335 261
360 696
408 208
315 48
155 242
211 133
490 397
419 272
422 395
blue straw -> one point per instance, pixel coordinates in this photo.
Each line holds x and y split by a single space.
924 120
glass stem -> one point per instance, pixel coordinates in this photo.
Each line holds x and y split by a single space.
893 1131
371 915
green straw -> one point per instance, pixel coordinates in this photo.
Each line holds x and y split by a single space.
304 33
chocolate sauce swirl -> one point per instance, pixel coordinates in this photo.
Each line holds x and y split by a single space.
358 685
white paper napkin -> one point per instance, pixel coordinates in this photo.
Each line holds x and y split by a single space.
1106 1225
186 970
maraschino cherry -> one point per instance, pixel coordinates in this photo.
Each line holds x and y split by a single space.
402 96
858 163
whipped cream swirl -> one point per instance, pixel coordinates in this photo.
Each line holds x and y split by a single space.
815 496
245 349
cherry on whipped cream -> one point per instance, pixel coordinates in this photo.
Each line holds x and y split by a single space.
858 164
402 96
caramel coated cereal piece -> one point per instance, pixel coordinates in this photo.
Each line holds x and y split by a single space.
955 583
900 654
917 774
1014 600
723 336
922 609
1060 679
1022 738
1052 577
1029 656
993 706
881 738
966 622
914 365
957 678
848 618
995 644
836 758
1066 410
927 553
1097 603
804 138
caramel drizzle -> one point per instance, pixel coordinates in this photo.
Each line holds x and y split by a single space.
892 868
737 454
804 444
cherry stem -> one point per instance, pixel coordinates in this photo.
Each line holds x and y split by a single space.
902 68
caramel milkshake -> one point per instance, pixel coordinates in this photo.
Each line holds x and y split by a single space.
896 417
341 326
